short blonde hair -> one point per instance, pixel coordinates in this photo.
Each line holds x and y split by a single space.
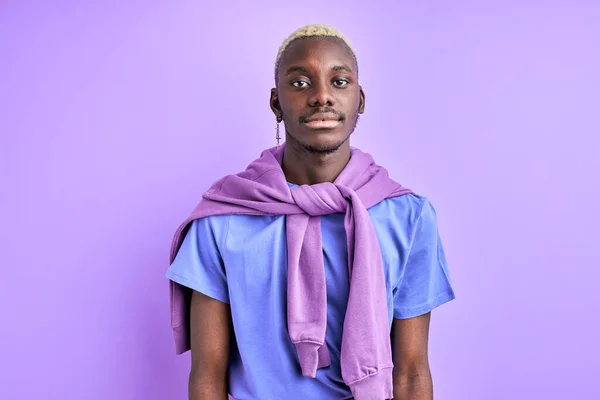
320 30
312 30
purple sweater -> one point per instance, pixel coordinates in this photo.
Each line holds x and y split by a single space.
262 189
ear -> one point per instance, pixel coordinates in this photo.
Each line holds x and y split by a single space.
275 106
361 106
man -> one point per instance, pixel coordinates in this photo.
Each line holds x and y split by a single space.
311 274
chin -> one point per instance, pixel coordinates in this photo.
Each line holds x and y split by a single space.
319 141
325 146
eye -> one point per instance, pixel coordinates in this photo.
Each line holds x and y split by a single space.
300 84
341 82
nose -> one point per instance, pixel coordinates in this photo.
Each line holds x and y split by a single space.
321 95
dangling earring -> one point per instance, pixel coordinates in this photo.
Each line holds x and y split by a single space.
277 137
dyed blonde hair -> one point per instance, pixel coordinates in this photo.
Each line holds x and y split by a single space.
308 31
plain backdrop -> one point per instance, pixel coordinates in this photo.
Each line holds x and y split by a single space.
115 116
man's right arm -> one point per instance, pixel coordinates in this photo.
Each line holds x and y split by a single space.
210 333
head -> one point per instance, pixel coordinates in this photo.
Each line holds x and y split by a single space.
316 92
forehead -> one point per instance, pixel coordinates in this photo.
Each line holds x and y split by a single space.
317 51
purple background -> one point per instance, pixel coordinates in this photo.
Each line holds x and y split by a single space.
115 116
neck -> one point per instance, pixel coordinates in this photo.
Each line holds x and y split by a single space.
303 167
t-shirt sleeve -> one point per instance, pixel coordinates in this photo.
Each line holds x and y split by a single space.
198 264
425 282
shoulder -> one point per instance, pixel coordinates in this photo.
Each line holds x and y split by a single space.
406 209
214 227
212 222
237 227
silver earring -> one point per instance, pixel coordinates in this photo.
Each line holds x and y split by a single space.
277 137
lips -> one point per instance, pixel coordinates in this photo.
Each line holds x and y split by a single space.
323 117
323 124
323 121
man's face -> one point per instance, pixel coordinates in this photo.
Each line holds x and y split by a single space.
317 94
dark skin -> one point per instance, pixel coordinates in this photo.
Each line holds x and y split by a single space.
210 333
317 76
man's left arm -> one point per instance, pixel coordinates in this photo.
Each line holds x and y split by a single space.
424 286
412 376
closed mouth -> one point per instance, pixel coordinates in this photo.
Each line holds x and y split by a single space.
323 117
323 123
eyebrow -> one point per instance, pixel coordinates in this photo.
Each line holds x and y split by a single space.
335 68
346 68
296 69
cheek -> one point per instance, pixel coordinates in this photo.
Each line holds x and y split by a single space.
288 115
288 110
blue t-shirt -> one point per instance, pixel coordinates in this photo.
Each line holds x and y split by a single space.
242 260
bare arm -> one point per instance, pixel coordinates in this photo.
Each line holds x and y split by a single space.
210 325
412 376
